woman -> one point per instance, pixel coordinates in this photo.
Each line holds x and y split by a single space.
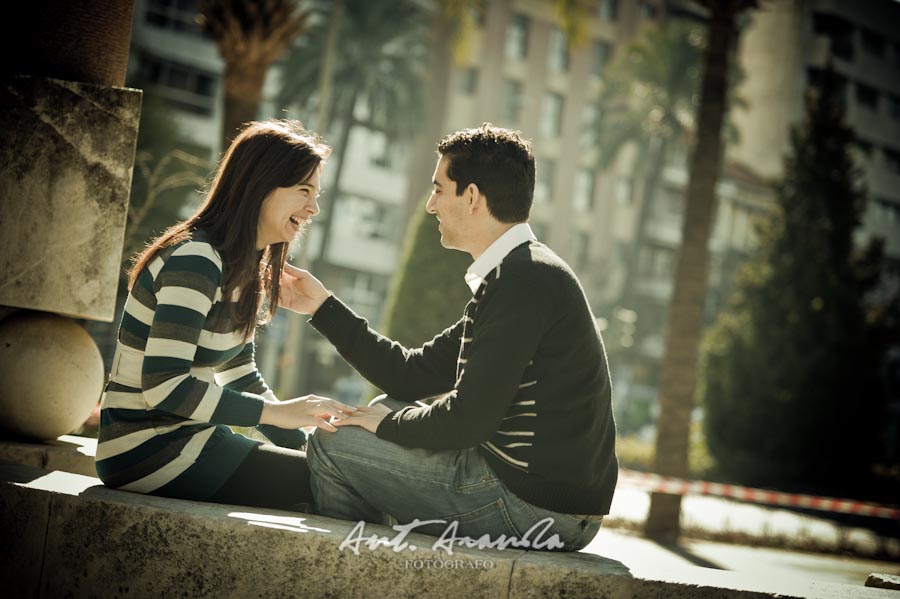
184 365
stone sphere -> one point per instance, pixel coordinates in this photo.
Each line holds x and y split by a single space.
51 375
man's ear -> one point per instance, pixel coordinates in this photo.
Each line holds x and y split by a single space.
474 197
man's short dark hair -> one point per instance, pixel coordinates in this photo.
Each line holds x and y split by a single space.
500 162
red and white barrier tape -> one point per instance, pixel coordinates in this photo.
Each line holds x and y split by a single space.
677 486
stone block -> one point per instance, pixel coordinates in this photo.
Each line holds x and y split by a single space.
68 453
106 543
883 581
66 159
23 522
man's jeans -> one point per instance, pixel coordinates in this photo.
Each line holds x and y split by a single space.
357 476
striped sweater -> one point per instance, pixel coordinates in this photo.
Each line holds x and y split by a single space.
181 373
524 378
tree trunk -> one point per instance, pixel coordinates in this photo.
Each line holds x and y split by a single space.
335 193
321 259
243 90
651 186
685 319
84 41
438 85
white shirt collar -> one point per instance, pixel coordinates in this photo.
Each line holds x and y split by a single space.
496 252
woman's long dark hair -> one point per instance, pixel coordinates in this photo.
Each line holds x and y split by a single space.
264 156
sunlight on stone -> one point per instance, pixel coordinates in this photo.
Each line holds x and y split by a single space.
64 482
280 522
86 446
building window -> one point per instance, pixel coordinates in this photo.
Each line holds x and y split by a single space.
588 135
175 15
649 10
558 52
602 55
385 155
892 160
609 10
867 96
551 114
815 77
838 30
624 191
467 81
476 12
894 107
545 178
512 100
377 221
673 201
656 262
872 42
887 211
864 146
583 198
517 37
183 87
582 250
363 291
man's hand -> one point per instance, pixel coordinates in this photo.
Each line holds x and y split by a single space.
300 291
368 417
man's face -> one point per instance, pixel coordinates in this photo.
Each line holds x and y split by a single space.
450 209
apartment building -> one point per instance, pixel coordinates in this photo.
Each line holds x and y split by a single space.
786 46
515 69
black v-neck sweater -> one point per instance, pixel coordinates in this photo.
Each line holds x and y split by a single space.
525 379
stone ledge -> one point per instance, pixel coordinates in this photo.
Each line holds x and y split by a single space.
66 535
68 453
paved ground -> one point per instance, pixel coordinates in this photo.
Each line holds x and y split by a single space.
715 515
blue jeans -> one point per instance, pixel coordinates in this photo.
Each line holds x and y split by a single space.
357 476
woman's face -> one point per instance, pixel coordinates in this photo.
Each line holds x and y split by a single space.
287 211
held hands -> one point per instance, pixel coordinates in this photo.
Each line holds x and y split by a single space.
300 291
367 417
309 410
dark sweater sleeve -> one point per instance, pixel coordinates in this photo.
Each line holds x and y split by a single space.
505 336
404 374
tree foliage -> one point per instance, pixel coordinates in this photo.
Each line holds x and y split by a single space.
167 172
380 61
790 375
250 36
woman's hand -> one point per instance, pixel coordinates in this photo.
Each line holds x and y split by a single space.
300 291
309 410
367 417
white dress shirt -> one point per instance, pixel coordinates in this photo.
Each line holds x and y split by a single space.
496 252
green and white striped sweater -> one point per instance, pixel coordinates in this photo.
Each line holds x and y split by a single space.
181 373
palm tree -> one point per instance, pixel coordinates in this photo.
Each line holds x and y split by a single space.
375 81
648 99
250 35
378 73
685 319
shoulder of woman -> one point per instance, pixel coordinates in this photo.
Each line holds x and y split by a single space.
197 247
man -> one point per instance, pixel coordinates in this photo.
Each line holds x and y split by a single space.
523 438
